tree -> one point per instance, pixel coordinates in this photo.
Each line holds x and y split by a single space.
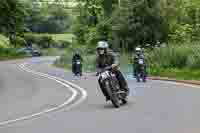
48 17
139 22
107 6
12 14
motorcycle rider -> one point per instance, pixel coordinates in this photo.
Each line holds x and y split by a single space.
105 58
76 57
139 55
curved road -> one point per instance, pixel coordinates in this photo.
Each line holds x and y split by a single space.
158 107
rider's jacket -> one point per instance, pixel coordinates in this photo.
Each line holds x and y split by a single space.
106 60
76 57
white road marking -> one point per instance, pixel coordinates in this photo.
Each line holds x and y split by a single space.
84 93
65 83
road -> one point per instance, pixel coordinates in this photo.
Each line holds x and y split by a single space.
34 102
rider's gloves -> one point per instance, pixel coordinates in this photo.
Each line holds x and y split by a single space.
114 66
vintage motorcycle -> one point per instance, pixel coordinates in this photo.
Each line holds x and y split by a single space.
110 84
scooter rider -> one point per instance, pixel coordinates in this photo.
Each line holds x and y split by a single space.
139 55
76 57
107 58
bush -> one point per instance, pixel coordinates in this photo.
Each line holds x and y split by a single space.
90 34
4 42
65 60
9 53
31 38
181 33
41 40
193 61
88 59
183 74
53 52
20 41
47 40
61 44
174 56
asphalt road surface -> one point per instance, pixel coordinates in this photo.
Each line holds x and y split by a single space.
33 100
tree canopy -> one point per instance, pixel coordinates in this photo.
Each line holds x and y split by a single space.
12 13
129 23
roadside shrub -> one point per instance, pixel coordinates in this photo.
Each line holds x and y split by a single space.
174 56
181 33
65 60
61 44
4 42
193 61
46 40
42 40
9 53
20 41
30 38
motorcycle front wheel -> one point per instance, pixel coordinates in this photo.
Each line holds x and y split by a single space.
113 95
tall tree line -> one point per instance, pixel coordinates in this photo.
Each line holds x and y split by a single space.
12 14
130 23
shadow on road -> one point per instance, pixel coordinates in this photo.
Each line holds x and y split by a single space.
109 105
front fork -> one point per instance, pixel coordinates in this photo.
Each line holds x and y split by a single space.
115 84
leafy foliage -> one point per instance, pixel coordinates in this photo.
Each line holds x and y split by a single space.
175 56
89 26
47 40
50 18
12 13
139 22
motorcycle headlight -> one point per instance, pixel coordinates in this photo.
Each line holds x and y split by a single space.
105 75
141 61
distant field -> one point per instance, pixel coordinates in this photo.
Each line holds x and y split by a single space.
64 37
57 37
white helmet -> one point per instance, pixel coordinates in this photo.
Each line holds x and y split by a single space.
102 44
138 49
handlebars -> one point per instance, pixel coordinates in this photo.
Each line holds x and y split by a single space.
108 68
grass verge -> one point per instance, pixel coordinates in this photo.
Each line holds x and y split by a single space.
180 74
9 53
56 37
53 51
65 60
179 62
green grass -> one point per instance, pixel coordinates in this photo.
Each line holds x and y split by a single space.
57 37
9 53
175 56
89 64
179 62
175 61
182 74
62 37
126 67
53 52
66 59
